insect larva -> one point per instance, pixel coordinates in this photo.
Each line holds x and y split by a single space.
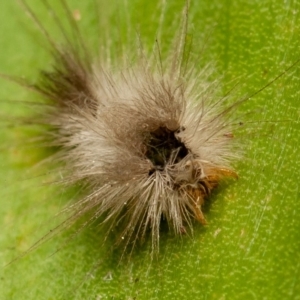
158 159
147 141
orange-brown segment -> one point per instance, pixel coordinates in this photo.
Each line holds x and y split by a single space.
204 188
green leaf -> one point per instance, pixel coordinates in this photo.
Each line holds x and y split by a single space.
250 247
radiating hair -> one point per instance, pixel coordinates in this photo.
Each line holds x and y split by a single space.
149 140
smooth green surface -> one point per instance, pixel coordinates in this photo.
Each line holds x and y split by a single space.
251 247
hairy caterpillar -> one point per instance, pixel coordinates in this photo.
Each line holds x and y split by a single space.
254 189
